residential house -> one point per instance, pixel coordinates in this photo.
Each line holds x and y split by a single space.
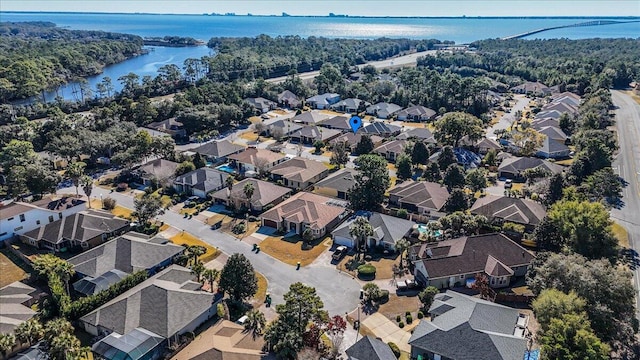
450 263
311 134
289 100
306 211
200 182
465 327
500 209
554 133
566 97
264 193
225 340
553 114
552 149
561 106
136 344
387 230
171 127
168 304
84 229
261 104
514 167
540 123
533 88
422 197
287 127
108 263
310 118
15 305
17 218
337 123
351 140
369 348
391 150
383 110
218 151
160 171
299 173
338 184
351 105
481 146
420 134
417 113
254 159
466 158
323 101
34 352
381 129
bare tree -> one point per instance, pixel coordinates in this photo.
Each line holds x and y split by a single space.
261 165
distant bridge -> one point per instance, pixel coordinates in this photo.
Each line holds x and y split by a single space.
588 23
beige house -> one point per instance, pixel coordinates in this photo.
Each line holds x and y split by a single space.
264 193
299 173
254 159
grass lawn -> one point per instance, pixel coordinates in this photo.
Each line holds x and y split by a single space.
255 119
184 238
384 266
229 222
517 186
122 211
188 211
621 234
290 250
398 305
633 95
261 294
10 271
332 113
165 199
249 135
497 117
566 162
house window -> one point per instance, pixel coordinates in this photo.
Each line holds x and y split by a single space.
3 234
18 228
9 219
50 218
22 218
37 222
59 215
462 276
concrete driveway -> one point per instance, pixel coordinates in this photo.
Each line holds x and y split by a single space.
388 331
508 118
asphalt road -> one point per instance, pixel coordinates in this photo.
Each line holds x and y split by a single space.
339 291
627 165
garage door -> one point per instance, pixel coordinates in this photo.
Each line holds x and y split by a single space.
341 240
270 223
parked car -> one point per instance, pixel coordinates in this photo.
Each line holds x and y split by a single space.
339 253
508 184
191 201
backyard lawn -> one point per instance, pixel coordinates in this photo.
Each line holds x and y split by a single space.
384 266
290 250
184 238
9 270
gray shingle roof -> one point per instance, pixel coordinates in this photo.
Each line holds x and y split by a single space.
159 168
469 328
517 210
204 179
299 169
421 193
342 180
264 192
158 304
418 133
517 165
217 149
551 146
417 111
386 228
310 117
370 348
12 311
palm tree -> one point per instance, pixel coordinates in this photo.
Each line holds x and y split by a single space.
87 186
248 193
29 331
49 264
401 246
75 172
229 182
55 327
7 342
361 230
211 276
255 322
198 269
65 344
194 251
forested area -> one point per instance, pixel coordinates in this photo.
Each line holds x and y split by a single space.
582 65
38 56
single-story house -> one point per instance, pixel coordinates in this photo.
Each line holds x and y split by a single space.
417 113
218 151
101 266
17 218
534 88
311 134
561 106
381 129
160 170
466 158
264 193
482 146
136 344
312 117
289 100
465 327
450 263
539 123
553 114
15 305
350 105
306 211
514 167
351 140
383 110
421 134
369 348
299 173
499 209
554 133
553 149
337 123
338 184
387 230
391 150
200 182
254 159
171 127
261 104
224 340
168 304
323 101
420 197
287 127
85 229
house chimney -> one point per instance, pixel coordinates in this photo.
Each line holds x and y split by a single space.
523 254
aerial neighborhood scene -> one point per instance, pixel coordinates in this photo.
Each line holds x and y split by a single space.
356 180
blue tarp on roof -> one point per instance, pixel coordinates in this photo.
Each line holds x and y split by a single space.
532 355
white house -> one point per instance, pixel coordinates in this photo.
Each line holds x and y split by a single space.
17 218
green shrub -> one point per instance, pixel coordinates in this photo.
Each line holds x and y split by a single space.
238 228
395 349
409 319
398 318
367 270
420 315
109 203
401 325
384 296
402 213
407 313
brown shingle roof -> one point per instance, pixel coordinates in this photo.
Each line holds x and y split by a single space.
264 192
307 208
299 169
249 156
421 193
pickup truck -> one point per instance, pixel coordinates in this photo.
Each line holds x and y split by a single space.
339 253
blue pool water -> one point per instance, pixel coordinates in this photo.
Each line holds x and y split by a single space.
226 168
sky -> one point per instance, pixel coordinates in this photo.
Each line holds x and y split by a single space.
349 7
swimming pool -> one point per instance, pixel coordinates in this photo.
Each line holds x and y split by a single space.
226 168
424 231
